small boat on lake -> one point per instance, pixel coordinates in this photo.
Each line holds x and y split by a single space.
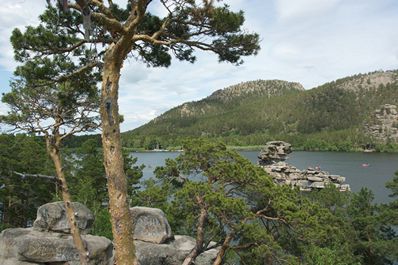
365 165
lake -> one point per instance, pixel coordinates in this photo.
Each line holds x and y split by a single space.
380 169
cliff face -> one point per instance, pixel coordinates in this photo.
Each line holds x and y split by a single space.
383 125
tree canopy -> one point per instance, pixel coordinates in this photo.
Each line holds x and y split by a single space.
103 35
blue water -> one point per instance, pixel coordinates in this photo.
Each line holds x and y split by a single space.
380 170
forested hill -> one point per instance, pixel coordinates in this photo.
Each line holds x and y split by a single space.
276 108
205 116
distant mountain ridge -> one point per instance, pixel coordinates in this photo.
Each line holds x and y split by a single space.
257 87
367 81
233 93
276 107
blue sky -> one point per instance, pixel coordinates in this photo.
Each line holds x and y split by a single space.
307 41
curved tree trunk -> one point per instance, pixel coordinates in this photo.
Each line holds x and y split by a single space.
224 247
53 150
122 226
200 234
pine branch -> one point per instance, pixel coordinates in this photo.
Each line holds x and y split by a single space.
24 175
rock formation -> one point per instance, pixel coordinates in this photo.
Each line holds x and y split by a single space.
273 152
150 225
155 243
49 241
52 217
272 159
383 126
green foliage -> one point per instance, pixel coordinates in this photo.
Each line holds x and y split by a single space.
267 222
325 256
369 227
393 186
102 225
87 180
20 196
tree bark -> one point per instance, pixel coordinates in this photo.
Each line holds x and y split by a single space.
53 150
199 234
224 247
122 226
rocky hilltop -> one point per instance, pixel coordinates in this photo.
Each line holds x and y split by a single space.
266 88
366 82
247 90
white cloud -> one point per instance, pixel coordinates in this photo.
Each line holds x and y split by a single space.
13 14
309 41
288 9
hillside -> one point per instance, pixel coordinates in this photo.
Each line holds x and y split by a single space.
275 109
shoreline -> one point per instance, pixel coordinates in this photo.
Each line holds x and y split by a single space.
258 148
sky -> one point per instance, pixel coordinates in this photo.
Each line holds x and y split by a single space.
306 41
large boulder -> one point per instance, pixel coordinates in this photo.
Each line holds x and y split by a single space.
27 246
52 217
172 253
150 225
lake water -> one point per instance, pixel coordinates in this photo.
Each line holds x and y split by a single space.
350 165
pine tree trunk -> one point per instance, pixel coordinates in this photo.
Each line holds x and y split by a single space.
53 150
224 247
200 234
122 226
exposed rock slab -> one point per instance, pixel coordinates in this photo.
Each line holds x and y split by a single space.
28 246
52 217
150 225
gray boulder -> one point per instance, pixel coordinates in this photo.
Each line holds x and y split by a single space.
315 178
52 217
27 246
318 185
172 253
150 225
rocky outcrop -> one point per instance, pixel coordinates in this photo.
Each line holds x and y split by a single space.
383 125
155 243
273 152
271 159
52 217
49 241
150 225
172 253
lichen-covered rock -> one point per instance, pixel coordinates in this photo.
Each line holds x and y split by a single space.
52 217
17 262
28 246
150 225
172 253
